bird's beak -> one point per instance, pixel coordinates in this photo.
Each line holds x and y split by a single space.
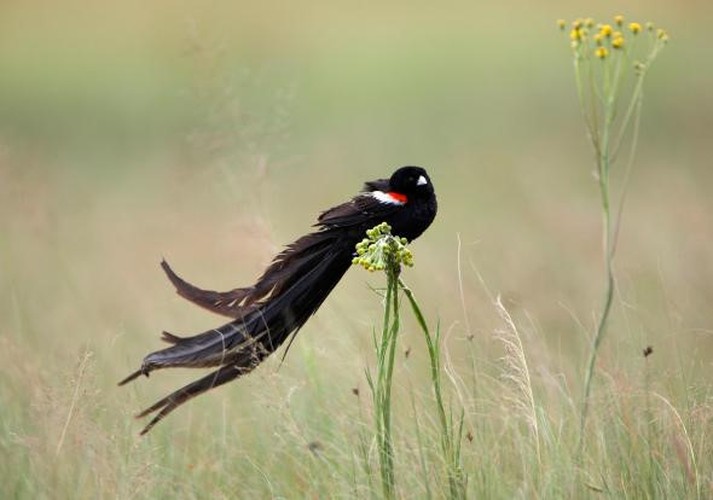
421 181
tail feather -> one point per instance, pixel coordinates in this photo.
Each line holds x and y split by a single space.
287 267
171 338
216 347
289 292
131 377
225 303
219 377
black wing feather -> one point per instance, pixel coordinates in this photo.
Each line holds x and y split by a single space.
363 211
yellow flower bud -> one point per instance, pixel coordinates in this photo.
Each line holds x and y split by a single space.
619 20
606 30
634 28
561 24
601 52
618 42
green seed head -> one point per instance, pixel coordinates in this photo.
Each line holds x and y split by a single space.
381 250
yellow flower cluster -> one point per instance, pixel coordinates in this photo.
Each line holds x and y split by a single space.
381 250
605 37
605 30
601 52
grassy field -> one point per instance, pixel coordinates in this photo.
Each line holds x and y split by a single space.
212 135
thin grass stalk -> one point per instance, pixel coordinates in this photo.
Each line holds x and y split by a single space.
449 439
421 454
648 416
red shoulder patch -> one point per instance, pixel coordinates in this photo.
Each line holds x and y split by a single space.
390 198
401 198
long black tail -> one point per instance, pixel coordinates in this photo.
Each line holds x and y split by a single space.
219 377
283 299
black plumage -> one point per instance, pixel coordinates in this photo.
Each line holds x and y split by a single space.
290 290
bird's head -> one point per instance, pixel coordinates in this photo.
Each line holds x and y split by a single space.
412 182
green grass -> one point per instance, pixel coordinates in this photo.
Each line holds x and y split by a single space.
84 303
195 156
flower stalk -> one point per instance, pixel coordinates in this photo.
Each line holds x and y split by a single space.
382 251
605 58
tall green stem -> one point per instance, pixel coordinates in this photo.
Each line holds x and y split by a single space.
603 57
386 354
603 164
383 251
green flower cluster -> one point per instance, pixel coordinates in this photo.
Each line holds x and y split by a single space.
381 250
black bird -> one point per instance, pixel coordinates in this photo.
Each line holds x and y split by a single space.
290 290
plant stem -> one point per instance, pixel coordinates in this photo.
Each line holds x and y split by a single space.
383 251
603 171
602 59
386 354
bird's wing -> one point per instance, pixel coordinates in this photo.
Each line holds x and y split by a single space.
377 185
366 209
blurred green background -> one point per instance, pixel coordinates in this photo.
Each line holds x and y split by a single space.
212 133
